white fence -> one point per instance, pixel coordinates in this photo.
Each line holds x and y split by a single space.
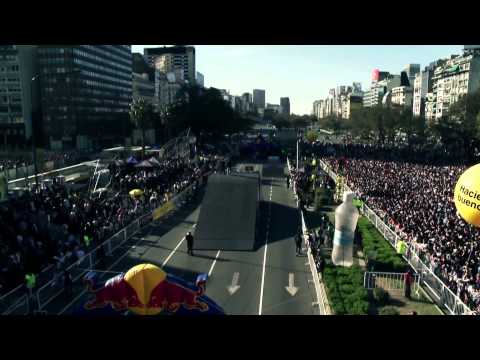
389 281
322 300
20 181
441 294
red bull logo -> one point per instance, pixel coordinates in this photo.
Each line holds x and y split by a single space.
147 290
170 295
116 292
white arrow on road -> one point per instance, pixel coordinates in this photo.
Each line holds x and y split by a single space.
291 288
234 287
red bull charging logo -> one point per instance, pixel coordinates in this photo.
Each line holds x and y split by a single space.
147 290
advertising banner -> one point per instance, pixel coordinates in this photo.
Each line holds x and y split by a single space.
162 210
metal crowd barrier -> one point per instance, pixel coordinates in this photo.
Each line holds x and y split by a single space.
389 281
52 173
442 295
322 300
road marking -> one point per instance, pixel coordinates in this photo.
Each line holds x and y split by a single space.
291 288
173 252
265 256
234 287
214 261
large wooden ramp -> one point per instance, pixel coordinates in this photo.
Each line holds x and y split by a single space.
228 213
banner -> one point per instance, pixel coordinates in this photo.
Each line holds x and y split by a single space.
162 210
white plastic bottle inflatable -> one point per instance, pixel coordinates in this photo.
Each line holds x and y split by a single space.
346 217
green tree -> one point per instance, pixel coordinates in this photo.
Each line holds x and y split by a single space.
311 136
361 123
141 113
459 131
280 122
299 122
204 111
333 123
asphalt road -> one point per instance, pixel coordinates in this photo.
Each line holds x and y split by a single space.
271 280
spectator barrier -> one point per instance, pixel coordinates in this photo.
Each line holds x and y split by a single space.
322 300
442 295
21 179
389 281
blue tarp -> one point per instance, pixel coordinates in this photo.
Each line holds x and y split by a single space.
131 160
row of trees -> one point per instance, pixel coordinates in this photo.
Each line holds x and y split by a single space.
458 131
202 110
289 121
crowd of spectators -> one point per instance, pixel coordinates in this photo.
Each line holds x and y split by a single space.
416 199
49 226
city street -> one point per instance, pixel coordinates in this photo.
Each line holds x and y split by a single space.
271 280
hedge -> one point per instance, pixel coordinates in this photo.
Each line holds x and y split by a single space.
323 197
345 290
389 310
378 251
381 296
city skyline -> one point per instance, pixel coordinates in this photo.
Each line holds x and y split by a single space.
304 73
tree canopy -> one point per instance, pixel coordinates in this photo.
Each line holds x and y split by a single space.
204 111
458 131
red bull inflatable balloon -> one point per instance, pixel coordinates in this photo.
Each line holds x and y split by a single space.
148 290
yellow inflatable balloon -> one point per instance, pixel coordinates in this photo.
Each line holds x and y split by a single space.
467 195
144 278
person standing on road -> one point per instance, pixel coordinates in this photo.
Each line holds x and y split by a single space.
298 242
408 284
189 238
288 181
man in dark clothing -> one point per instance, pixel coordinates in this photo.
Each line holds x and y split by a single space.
408 284
189 238
321 266
298 242
288 181
101 258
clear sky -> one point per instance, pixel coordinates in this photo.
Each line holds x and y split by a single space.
304 73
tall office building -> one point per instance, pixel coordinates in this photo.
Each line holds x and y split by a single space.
382 84
276 108
455 77
285 106
167 87
412 70
259 98
86 94
17 67
200 79
169 59
247 103
143 88
422 86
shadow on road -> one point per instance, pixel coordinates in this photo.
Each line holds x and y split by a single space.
279 231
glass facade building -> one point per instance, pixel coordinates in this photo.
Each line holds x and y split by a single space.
17 66
169 59
86 92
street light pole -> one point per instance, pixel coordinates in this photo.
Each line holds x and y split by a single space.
297 155
34 145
